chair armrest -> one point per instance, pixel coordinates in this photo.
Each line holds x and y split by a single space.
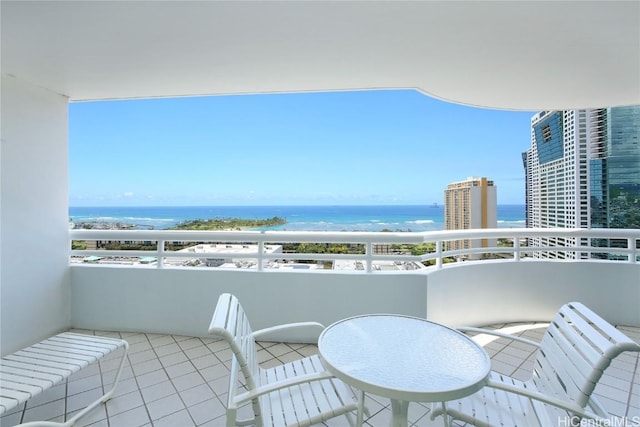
550 400
277 328
497 334
242 398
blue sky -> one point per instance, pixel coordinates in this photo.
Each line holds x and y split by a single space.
336 148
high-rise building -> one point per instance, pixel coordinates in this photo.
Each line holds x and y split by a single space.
470 204
583 171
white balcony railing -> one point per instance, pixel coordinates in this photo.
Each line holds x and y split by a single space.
621 245
598 267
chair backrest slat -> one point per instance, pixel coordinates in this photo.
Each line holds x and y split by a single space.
231 323
600 340
614 335
574 352
570 337
219 322
558 375
561 338
560 344
242 332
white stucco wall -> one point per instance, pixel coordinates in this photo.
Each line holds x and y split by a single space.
34 278
180 301
482 293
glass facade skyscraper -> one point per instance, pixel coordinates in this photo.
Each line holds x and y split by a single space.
583 170
622 168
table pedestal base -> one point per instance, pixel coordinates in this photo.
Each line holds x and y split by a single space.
399 410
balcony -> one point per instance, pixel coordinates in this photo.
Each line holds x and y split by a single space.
178 376
56 52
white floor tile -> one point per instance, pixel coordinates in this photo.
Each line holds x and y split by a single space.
165 406
82 400
124 403
188 381
206 411
45 412
197 394
157 391
177 419
133 418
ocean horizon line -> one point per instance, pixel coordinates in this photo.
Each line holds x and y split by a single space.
298 217
274 205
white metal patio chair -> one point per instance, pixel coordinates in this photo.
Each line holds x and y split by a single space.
298 393
572 356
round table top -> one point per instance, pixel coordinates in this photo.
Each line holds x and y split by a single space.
404 358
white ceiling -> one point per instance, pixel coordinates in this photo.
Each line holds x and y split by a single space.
528 55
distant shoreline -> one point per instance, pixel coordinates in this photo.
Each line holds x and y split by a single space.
416 218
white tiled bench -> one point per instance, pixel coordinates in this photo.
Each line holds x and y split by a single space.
34 369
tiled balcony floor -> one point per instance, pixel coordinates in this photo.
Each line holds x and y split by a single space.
179 381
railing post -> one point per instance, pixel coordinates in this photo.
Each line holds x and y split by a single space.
369 254
438 253
261 255
516 248
160 252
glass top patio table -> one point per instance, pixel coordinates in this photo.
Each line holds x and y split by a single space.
406 359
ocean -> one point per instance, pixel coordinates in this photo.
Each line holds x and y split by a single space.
299 218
